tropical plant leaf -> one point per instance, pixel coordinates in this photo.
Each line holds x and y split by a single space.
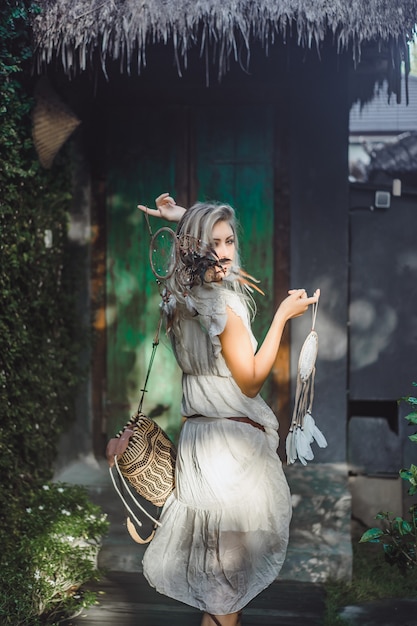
406 474
402 526
382 515
372 535
411 417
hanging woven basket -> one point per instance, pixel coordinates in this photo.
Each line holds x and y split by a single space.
53 123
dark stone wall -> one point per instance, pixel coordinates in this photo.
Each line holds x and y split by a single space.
383 325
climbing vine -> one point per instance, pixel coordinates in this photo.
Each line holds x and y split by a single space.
38 343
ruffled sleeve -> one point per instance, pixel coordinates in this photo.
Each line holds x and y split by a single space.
210 303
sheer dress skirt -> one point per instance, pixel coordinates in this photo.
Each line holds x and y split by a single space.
224 530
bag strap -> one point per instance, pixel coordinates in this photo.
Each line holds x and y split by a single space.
155 344
118 491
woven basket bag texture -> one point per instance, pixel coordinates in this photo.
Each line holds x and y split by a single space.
148 462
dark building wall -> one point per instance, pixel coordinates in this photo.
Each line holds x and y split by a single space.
319 232
383 328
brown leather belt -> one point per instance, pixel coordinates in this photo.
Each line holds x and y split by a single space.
245 420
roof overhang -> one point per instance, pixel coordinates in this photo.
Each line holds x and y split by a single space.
90 34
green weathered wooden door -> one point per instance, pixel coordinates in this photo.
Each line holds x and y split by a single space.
141 165
232 161
235 164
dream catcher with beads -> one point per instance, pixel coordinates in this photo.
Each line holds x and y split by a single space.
304 431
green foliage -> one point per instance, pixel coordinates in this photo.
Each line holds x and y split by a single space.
371 580
398 536
47 554
39 348
38 351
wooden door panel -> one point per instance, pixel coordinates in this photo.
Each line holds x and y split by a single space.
235 149
141 165
235 165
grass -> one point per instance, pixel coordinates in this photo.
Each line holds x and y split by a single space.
372 579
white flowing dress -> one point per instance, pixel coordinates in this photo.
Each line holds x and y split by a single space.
224 529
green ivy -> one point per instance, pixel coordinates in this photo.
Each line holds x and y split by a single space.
39 340
38 351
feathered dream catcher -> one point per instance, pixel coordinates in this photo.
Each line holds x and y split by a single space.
303 431
193 261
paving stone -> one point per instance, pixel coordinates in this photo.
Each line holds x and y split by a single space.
393 612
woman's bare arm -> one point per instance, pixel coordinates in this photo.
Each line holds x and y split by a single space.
250 370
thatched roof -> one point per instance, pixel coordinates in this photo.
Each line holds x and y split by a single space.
78 32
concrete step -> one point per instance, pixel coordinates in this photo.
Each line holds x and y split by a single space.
320 544
126 599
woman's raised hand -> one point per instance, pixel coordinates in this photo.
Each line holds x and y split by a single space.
166 208
297 303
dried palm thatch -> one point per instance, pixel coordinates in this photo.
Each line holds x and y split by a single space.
78 31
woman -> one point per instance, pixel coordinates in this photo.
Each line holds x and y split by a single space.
224 529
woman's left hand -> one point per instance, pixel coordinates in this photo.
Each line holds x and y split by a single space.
297 303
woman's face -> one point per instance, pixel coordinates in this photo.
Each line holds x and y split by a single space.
223 239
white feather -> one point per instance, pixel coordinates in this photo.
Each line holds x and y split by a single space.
312 432
308 426
290 448
319 437
304 451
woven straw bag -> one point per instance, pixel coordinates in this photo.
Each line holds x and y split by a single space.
144 458
148 462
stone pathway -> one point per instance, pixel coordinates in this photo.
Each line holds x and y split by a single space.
127 600
320 547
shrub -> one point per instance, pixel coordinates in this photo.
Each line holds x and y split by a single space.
49 535
398 536
48 554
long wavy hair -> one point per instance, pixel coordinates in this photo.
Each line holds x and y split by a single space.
195 247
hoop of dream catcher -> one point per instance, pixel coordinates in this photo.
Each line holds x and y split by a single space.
162 253
304 431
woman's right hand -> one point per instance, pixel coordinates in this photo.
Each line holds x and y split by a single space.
296 303
166 208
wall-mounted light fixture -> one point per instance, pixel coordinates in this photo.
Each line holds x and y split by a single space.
382 199
396 187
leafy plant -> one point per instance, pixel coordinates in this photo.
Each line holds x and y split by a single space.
49 535
397 535
48 554
371 580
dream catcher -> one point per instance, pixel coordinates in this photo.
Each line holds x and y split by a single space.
303 431
194 262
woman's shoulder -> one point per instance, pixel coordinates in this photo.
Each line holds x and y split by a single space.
213 299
